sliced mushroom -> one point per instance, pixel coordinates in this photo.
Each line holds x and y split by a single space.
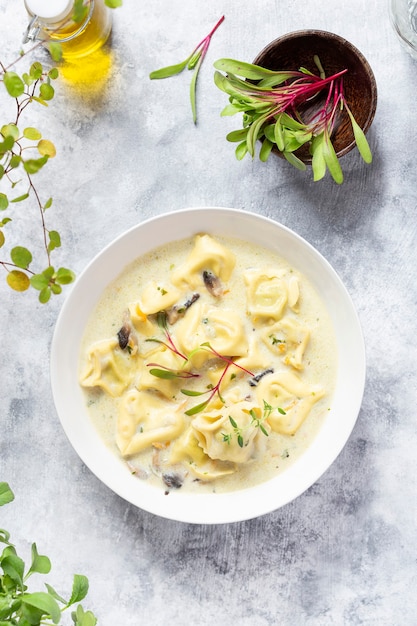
179 310
255 379
213 284
126 335
173 480
123 336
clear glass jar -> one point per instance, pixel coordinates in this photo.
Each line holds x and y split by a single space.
403 15
52 21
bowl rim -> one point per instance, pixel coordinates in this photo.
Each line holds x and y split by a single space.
324 34
68 398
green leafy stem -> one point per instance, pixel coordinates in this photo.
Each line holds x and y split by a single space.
166 373
258 419
23 153
193 62
20 606
287 110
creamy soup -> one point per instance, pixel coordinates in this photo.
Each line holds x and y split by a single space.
208 365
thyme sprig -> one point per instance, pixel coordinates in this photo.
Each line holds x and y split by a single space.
282 109
258 420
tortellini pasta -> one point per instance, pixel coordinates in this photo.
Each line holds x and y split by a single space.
222 329
206 380
230 433
144 420
187 449
108 367
290 398
207 254
157 296
289 339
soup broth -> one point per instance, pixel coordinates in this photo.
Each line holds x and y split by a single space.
209 365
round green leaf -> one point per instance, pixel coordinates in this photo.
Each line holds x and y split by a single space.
18 281
2 238
64 276
45 603
55 237
6 494
54 240
6 145
53 73
21 257
14 84
46 148
44 295
34 165
32 133
15 161
27 79
46 91
39 281
36 70
10 130
49 272
4 202
56 289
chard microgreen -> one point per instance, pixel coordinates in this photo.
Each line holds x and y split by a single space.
193 63
275 111
160 371
161 320
166 373
213 389
20 606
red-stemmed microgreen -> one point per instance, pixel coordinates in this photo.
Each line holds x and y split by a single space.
193 62
207 346
282 109
161 320
213 389
166 373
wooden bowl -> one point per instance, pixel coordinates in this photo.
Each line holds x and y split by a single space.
297 49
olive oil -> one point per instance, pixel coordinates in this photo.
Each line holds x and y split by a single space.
56 24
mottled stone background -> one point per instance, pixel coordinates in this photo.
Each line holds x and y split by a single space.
345 551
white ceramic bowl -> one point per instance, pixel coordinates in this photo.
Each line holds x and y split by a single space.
69 398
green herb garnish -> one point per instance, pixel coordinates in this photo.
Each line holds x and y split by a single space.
192 62
18 605
282 109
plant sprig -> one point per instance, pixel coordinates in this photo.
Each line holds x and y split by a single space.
23 153
272 109
193 62
20 606
170 374
258 419
212 389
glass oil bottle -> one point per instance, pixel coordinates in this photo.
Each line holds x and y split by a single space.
57 22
